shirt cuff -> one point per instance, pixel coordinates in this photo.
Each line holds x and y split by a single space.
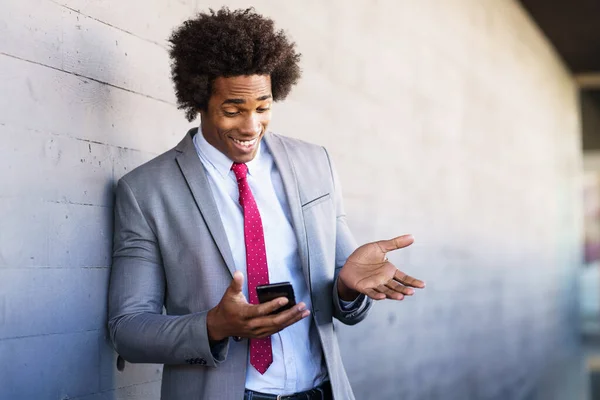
353 305
219 350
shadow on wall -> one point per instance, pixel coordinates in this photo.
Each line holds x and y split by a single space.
101 94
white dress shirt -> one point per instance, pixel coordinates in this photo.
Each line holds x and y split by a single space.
298 362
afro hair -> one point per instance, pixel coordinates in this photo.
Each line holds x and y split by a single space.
229 43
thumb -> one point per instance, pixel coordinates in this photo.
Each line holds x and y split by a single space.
237 283
396 243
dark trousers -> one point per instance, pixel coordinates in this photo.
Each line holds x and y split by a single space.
321 392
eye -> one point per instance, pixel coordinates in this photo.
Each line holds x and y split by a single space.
262 110
230 114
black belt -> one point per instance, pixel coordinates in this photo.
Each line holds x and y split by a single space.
321 392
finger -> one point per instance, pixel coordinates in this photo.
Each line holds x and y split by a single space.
374 295
389 293
395 243
274 323
272 330
291 316
260 310
399 288
408 280
237 283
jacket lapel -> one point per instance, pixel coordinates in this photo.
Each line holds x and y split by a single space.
290 183
195 176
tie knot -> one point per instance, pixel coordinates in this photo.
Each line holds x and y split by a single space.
240 170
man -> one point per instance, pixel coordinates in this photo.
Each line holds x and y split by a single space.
234 206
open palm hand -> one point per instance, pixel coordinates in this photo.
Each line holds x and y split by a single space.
368 271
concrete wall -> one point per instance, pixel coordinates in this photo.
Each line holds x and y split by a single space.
452 120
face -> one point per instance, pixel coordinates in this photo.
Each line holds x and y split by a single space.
237 116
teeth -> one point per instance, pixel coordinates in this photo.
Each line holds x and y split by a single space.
246 143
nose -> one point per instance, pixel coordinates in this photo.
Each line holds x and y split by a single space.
251 126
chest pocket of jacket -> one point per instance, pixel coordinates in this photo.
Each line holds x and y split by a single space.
319 220
316 201
320 223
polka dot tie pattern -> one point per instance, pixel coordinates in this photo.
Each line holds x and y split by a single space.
261 355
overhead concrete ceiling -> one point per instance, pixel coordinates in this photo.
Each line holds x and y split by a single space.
573 27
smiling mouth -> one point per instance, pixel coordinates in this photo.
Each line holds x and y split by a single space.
246 143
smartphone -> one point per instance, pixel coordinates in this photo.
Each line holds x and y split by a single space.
274 290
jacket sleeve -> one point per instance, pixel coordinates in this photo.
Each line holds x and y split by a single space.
344 246
138 329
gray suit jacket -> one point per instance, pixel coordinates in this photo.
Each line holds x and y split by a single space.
171 251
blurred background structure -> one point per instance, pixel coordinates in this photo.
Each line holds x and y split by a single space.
573 30
465 122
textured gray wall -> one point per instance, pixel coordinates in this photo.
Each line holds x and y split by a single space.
452 120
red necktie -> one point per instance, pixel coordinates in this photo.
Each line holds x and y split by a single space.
257 273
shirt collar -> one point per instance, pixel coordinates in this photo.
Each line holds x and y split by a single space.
220 161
